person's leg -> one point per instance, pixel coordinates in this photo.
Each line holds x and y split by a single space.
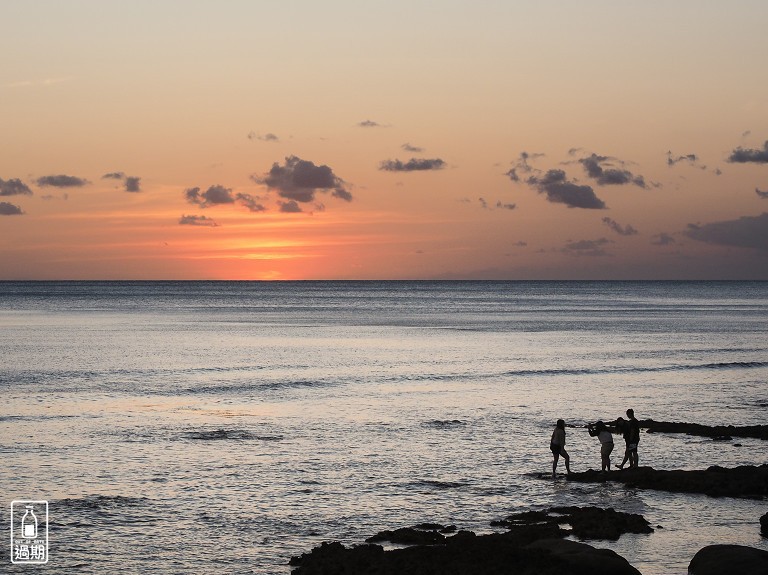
634 458
627 457
556 456
567 459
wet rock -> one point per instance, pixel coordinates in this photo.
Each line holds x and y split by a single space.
764 525
747 481
585 522
408 536
466 554
718 432
719 559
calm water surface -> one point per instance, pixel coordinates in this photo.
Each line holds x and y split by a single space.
222 427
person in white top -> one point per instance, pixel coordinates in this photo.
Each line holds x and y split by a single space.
600 430
557 446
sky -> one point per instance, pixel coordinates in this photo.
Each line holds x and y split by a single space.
290 140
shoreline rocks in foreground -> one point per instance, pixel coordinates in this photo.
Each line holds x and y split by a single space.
533 544
719 559
746 481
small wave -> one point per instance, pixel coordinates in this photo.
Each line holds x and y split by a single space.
722 365
100 502
434 484
231 434
445 423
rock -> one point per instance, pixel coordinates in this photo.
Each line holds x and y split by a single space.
747 481
720 432
764 525
719 559
586 522
582 558
466 554
408 536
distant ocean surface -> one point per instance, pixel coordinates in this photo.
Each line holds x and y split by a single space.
222 427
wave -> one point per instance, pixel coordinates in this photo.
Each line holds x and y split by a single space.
228 434
100 502
445 423
434 484
680 367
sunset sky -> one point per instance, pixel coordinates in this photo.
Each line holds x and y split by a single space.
259 139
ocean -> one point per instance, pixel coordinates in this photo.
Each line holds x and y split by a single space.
223 427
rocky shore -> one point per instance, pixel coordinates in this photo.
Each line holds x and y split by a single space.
722 432
747 481
532 544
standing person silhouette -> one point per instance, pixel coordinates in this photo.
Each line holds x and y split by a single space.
634 438
557 446
600 430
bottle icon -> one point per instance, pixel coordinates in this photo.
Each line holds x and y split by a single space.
29 524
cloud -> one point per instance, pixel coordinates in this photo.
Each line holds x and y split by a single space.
7 209
587 247
290 207
521 244
132 184
62 181
198 221
663 239
761 193
560 191
672 160
250 202
213 196
268 137
617 227
746 155
522 166
499 205
113 176
414 149
745 232
412 165
300 180
14 187
599 168
369 124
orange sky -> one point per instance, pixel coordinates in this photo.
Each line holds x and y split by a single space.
510 140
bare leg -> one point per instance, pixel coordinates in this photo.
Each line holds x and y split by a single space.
627 457
554 464
567 459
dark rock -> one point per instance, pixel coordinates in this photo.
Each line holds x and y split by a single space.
764 525
465 554
719 559
714 431
747 481
408 536
586 522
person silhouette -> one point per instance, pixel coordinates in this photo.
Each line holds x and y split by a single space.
557 446
600 430
633 439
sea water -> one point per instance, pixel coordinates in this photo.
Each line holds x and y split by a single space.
223 427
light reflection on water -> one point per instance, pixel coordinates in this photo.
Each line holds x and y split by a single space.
198 438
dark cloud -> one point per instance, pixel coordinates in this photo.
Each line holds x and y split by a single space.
521 165
300 180
501 206
290 207
521 244
132 184
663 239
599 168
746 155
7 209
197 221
213 196
672 160
14 187
369 124
761 193
561 191
62 181
415 149
412 165
587 247
250 202
113 176
483 203
268 137
745 232
619 229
